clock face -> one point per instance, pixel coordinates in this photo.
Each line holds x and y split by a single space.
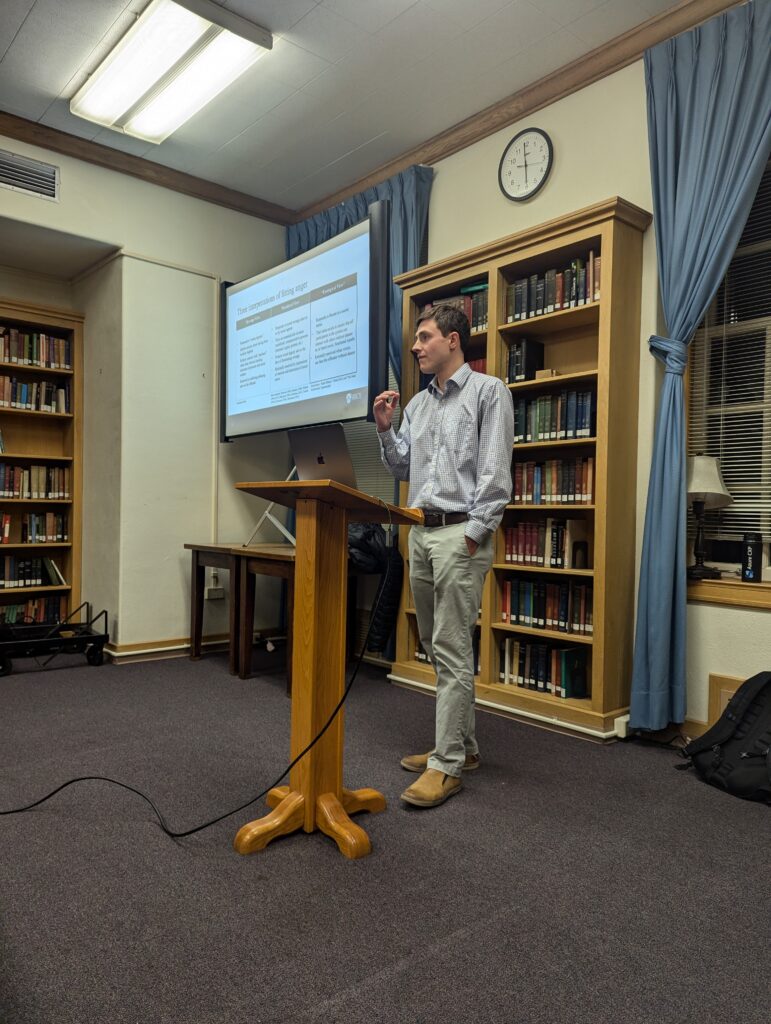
525 164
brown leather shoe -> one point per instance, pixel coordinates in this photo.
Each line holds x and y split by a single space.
431 789
419 762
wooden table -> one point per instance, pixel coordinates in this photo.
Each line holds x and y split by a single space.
216 556
263 560
242 563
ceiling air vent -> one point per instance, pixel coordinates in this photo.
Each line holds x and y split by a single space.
29 176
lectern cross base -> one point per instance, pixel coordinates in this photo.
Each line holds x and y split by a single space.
332 818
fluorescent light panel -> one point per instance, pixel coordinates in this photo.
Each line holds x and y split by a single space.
168 66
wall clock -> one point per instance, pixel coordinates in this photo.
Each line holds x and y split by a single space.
525 164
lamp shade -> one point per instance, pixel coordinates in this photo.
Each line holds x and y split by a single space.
705 482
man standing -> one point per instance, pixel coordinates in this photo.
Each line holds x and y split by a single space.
454 446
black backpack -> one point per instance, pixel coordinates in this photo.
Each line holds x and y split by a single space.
735 754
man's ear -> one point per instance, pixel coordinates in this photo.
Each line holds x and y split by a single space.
454 339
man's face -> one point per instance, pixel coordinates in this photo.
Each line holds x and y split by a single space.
433 351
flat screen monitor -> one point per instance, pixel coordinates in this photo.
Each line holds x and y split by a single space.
307 342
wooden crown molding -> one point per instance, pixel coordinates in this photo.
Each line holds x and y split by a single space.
155 174
603 61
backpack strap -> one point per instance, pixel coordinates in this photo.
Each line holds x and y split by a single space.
726 725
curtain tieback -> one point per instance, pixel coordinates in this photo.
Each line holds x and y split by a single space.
671 352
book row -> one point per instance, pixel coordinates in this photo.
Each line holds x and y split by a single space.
29 572
536 294
35 528
564 606
42 610
554 482
472 300
525 358
34 481
566 416
548 668
37 395
34 349
551 543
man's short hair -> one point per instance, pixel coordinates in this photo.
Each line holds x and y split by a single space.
449 318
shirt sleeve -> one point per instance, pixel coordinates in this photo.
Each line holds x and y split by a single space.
395 448
496 440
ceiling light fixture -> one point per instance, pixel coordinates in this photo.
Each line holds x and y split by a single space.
177 56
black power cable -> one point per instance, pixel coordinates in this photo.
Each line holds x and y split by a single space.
207 824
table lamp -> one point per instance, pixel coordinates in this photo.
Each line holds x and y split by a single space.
706 490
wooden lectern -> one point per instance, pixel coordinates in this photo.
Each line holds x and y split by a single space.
315 797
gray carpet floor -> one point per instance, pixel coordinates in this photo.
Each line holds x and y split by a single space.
568 882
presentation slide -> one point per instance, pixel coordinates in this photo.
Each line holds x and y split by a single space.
299 333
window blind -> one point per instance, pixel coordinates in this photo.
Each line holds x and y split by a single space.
729 411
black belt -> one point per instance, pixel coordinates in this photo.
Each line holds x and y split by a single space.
443 518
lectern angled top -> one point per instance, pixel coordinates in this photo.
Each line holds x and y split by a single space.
361 508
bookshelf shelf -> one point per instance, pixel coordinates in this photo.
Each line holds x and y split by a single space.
506 689
553 634
8 410
35 501
547 324
34 590
7 456
545 384
565 442
541 569
26 545
592 349
34 369
41 454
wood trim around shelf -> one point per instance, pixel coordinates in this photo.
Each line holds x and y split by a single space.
585 219
516 567
731 592
551 634
558 381
60 371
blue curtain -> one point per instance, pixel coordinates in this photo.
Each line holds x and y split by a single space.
409 193
709 131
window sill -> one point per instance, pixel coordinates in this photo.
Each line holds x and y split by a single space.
732 592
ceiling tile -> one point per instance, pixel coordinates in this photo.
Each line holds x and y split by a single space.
58 116
276 15
565 13
90 18
538 60
512 30
370 15
607 21
126 143
326 34
467 14
292 64
12 15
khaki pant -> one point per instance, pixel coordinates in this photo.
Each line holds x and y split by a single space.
447 587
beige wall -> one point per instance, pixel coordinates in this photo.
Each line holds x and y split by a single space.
153 475
601 150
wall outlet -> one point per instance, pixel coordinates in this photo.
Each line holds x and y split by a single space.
214 593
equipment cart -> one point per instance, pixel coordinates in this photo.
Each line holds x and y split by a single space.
33 640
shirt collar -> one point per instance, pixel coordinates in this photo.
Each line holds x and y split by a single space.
459 378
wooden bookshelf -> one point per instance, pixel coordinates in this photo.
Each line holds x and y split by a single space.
594 347
41 502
